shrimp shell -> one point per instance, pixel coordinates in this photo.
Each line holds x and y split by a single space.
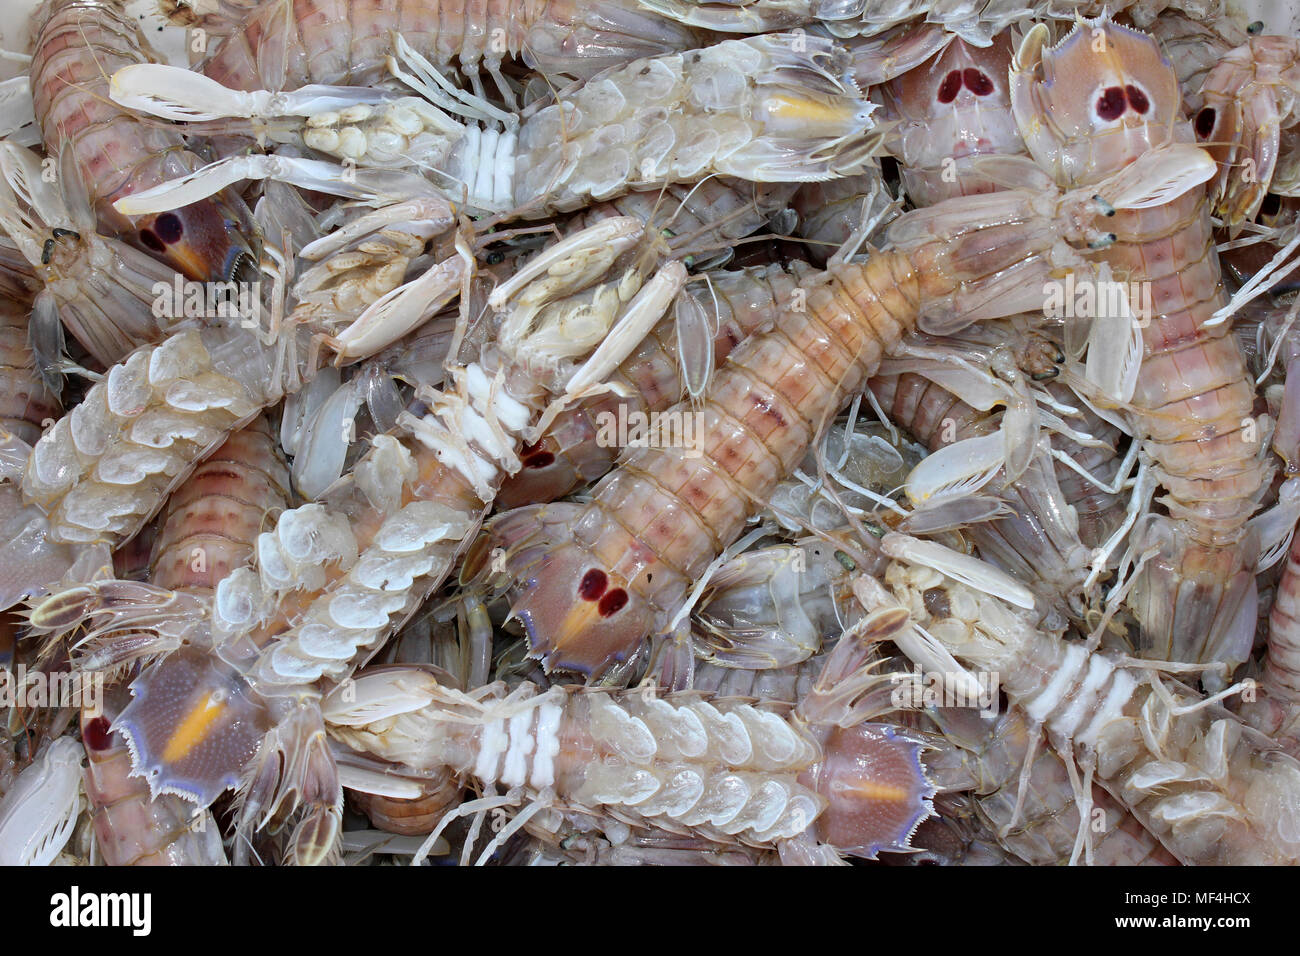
39 811
590 596
80 43
572 452
286 44
1211 789
131 829
719 769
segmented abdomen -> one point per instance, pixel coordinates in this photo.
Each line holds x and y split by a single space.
25 403
1047 823
723 770
664 515
103 469
1212 790
80 45
572 452
287 44
931 413
1282 666
214 518
1194 395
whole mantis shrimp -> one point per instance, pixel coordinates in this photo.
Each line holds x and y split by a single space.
108 152
1211 789
722 770
776 108
1180 379
596 580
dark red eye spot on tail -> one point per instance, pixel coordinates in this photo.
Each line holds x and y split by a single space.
151 241
1137 99
96 734
612 602
539 460
1205 122
976 81
592 585
950 87
168 228
1111 103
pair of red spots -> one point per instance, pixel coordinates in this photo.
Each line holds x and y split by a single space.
977 81
594 586
1114 100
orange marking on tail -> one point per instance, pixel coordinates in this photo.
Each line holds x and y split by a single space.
195 728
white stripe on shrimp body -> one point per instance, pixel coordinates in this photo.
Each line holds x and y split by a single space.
1212 790
722 769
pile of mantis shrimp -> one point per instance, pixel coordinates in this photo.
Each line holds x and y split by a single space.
650 432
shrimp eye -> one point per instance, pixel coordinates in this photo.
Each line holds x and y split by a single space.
1137 99
1255 27
950 87
496 258
95 734
977 82
151 241
1271 204
612 602
1111 103
593 585
1205 122
47 251
168 228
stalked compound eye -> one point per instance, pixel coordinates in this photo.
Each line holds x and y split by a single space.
151 241
496 257
592 585
1111 104
1205 121
950 87
1137 99
977 81
168 228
